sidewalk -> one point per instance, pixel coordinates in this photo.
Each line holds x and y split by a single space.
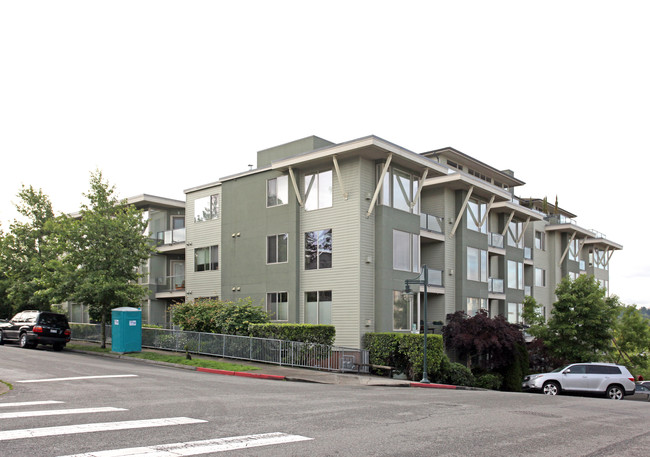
278 372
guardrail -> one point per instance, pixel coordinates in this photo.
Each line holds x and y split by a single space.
279 352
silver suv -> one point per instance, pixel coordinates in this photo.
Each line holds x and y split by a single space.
614 381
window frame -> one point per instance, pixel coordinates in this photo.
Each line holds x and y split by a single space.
277 249
318 235
212 265
518 277
213 205
319 199
482 265
413 250
285 303
284 189
319 295
542 278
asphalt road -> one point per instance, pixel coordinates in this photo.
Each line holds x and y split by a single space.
148 406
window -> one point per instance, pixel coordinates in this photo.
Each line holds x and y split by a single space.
406 251
276 248
477 265
515 275
206 208
515 312
318 190
318 307
540 277
574 250
400 311
479 175
206 259
475 212
277 191
514 234
318 249
454 165
399 190
540 241
474 304
277 305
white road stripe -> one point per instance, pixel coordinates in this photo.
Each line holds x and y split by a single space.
97 427
81 377
56 412
200 447
29 403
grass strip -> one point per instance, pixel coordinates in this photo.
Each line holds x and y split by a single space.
169 358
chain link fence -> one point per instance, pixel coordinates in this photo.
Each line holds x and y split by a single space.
279 352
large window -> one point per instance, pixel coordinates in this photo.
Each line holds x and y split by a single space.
514 233
515 313
318 190
206 259
276 248
318 249
477 265
515 275
206 208
475 212
318 307
574 250
406 251
399 189
277 305
540 241
475 304
540 277
277 191
401 307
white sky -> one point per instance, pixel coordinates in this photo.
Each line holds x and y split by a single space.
163 96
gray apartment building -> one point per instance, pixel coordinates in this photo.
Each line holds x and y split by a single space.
328 233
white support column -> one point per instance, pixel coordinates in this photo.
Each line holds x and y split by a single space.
462 211
568 246
338 175
295 187
379 184
609 255
505 229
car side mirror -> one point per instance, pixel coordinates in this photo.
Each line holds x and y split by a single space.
568 370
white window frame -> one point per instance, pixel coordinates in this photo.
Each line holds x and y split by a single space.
482 266
277 248
540 277
274 314
210 263
317 194
213 205
318 307
413 251
474 304
518 279
281 186
316 234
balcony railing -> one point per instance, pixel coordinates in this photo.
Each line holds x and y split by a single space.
435 278
431 223
528 291
495 285
582 265
170 283
528 253
495 240
170 236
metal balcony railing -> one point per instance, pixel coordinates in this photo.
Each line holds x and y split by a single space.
528 253
435 278
495 240
170 236
432 223
170 283
495 285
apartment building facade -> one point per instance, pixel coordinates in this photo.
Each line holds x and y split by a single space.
328 233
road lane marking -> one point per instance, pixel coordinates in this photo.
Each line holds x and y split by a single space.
81 377
97 427
200 447
56 412
29 403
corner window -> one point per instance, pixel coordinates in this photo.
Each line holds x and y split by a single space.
515 234
399 189
540 277
540 241
318 249
515 275
277 191
477 265
318 307
475 212
276 248
206 259
406 251
277 305
206 208
475 304
318 190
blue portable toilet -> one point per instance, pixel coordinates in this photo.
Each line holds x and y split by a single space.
126 330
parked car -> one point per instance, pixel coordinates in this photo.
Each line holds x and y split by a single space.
31 328
641 393
614 381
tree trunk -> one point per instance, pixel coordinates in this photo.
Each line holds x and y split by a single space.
103 330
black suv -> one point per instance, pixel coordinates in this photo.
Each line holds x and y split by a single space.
31 328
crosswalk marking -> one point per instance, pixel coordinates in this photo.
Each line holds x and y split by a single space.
81 377
96 427
200 447
56 412
29 403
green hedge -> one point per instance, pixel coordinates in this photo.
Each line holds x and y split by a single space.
404 351
306 333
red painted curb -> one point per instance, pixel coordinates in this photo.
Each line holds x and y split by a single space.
212 370
241 373
432 386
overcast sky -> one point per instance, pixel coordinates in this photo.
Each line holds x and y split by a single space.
163 96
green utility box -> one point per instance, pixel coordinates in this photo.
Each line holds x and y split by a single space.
126 331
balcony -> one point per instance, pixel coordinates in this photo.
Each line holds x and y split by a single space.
435 278
495 286
169 237
495 240
170 283
432 223
528 291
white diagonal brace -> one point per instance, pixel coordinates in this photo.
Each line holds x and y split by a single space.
417 195
295 186
487 211
379 184
462 211
568 246
521 235
609 255
338 175
505 229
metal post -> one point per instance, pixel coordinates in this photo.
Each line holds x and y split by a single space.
425 378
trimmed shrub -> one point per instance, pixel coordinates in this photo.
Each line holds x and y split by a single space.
458 374
305 333
215 316
489 381
404 351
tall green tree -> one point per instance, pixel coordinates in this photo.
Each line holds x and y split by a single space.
26 252
582 321
631 340
105 246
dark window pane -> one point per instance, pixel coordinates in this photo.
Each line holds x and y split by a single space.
271 251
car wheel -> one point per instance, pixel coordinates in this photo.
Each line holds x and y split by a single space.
615 393
551 388
23 341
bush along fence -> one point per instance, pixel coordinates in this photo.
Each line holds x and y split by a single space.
268 350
